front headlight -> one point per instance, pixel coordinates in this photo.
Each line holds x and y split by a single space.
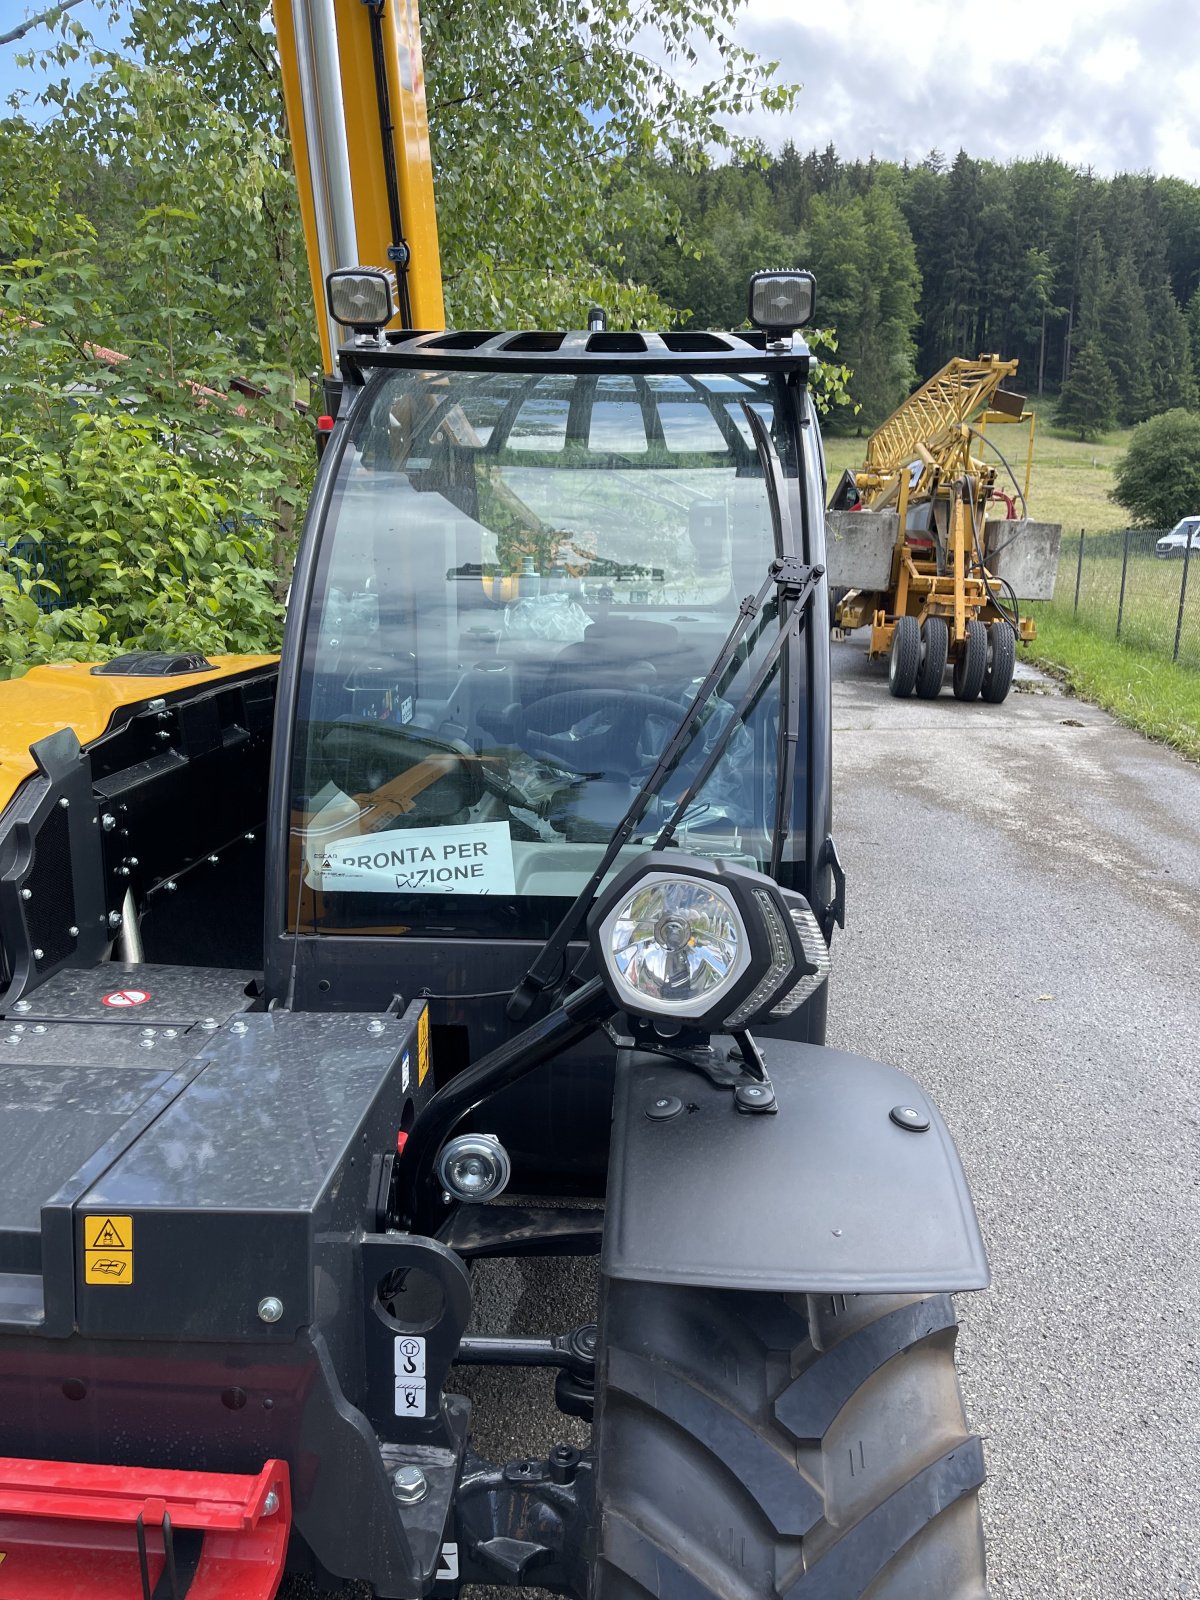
709 943
674 944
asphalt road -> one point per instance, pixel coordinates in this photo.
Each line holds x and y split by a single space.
1024 937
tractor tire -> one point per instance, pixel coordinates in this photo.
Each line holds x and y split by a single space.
1002 661
972 662
935 648
754 1446
904 662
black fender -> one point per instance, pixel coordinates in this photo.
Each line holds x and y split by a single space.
831 1195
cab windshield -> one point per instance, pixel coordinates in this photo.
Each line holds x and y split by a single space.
522 578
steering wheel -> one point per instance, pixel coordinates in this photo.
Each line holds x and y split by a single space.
553 728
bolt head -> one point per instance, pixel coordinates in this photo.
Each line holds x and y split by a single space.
170 886
409 1485
73 931
38 954
214 859
146 1044
114 919
23 1005
910 1118
374 1026
26 894
270 1504
238 1027
108 822
270 1308
65 803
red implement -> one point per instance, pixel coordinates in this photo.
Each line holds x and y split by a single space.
73 1531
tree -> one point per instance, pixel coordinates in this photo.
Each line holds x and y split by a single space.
1124 335
1035 306
862 254
1088 403
150 252
1172 380
1158 477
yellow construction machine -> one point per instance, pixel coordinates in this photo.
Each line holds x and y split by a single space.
941 601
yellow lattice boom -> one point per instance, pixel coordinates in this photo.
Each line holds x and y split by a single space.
933 427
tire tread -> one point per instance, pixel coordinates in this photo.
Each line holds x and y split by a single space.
717 1412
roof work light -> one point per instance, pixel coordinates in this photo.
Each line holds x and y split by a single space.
782 300
362 298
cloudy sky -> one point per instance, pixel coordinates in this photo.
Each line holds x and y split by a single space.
1114 84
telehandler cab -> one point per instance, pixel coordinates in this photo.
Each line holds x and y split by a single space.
518 901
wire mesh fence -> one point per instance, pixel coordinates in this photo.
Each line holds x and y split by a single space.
1141 586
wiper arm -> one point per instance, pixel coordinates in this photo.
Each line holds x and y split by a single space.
548 963
796 586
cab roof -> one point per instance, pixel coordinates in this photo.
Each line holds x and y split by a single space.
577 351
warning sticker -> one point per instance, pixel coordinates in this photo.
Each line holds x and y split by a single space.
410 1356
122 999
108 1250
423 1046
473 858
410 1376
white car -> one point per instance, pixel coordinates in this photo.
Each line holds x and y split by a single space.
1176 542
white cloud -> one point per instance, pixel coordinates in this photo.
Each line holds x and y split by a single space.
1101 83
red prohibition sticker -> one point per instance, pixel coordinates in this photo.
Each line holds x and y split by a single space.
121 999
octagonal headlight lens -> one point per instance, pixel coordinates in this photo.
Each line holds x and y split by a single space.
673 944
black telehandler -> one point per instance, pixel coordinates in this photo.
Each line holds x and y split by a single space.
492 920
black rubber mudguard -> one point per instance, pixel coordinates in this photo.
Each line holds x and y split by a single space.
833 1194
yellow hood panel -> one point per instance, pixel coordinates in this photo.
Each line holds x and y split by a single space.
66 695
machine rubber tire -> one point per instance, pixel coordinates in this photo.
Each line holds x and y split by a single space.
935 648
751 1446
904 662
1002 660
972 662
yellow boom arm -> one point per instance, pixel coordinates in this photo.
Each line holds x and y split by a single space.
933 426
354 90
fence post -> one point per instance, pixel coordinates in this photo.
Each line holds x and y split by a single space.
1078 571
1187 561
1124 570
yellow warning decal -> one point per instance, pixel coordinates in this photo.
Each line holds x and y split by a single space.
107 1249
423 1046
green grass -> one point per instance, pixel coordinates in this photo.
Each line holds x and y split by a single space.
1138 686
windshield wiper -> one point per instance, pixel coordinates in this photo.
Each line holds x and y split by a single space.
785 593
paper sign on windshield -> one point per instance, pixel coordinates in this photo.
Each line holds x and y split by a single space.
475 858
